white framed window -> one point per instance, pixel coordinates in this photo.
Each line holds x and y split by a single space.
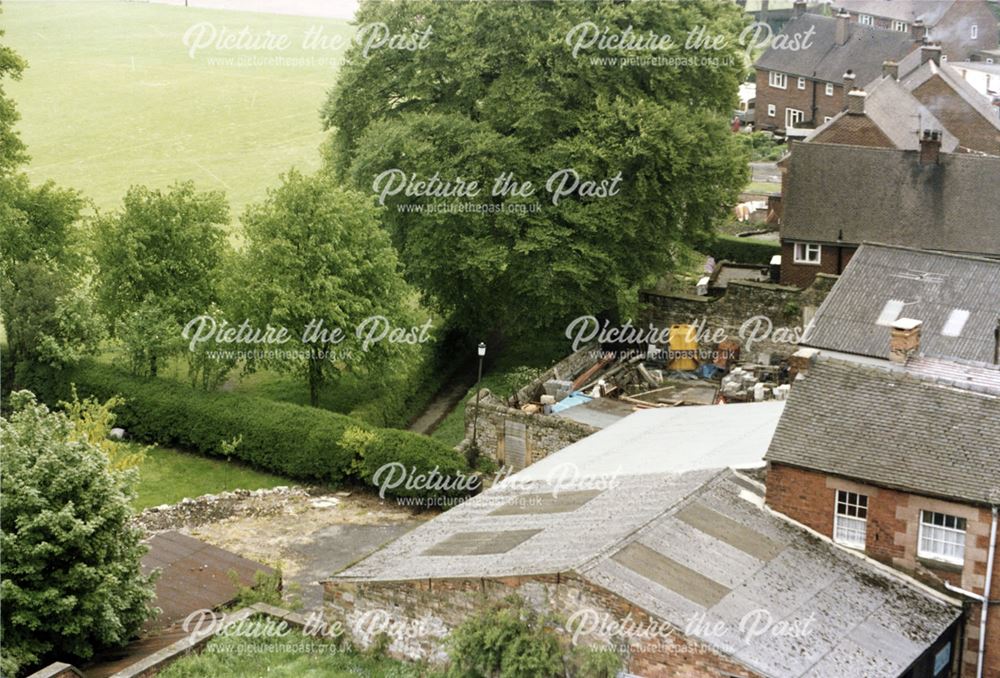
802 83
829 89
866 20
793 116
772 110
806 253
942 537
900 26
974 31
850 520
779 80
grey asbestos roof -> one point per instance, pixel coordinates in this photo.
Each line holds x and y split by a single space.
882 284
895 428
898 115
825 60
731 562
909 11
679 546
886 195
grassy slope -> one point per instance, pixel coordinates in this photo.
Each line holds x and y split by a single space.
111 98
166 476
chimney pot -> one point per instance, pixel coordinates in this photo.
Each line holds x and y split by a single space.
904 340
930 147
930 53
848 86
843 23
856 102
890 69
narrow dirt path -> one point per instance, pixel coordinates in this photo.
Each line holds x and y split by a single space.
446 399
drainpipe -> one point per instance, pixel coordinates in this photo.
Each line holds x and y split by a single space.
984 599
986 595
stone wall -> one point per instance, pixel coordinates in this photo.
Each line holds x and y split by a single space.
418 615
765 317
515 438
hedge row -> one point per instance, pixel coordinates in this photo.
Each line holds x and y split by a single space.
302 443
744 250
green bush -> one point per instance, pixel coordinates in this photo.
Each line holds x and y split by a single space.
414 458
303 443
743 250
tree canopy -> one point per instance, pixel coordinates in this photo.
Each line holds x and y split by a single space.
501 88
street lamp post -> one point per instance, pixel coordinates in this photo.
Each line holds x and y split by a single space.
481 350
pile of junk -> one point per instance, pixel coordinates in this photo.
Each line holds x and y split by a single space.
679 374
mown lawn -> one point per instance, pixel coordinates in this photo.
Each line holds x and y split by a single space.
293 656
166 476
112 97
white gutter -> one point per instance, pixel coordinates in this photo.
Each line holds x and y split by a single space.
984 599
986 596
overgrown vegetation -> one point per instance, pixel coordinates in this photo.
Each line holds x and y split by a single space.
762 146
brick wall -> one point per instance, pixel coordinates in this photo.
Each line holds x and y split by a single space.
892 537
786 307
803 275
958 117
427 610
813 96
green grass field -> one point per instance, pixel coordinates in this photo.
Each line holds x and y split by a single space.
111 97
166 476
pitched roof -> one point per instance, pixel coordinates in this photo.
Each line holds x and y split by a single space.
882 284
892 118
701 544
886 195
892 427
825 60
909 11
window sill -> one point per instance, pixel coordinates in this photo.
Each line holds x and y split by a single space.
942 565
806 263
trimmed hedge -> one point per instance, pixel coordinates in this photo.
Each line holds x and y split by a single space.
303 443
744 250
434 469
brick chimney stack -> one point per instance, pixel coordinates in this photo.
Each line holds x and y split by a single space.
856 102
904 342
843 26
890 69
848 86
799 8
918 30
930 147
930 53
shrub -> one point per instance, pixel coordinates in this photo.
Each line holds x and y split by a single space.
303 443
422 459
743 250
71 577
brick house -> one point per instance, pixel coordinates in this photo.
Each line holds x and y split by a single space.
900 460
805 87
693 555
963 27
837 196
956 298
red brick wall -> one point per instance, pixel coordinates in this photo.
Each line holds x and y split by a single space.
809 497
802 275
453 601
793 97
958 117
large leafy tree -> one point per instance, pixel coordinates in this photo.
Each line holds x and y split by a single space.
496 89
12 152
315 253
159 265
71 578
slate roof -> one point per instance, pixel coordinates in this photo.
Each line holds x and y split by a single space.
886 195
678 546
929 286
892 427
891 110
909 11
825 60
